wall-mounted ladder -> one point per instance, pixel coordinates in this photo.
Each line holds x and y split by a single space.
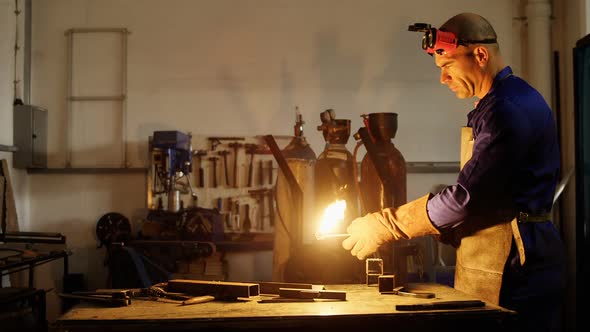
79 93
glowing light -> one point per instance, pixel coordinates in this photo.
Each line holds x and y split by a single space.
333 215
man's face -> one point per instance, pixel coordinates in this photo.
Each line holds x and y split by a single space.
459 71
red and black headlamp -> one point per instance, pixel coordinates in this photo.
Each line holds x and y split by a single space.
442 42
435 40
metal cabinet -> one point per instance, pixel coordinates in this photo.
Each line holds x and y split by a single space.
30 136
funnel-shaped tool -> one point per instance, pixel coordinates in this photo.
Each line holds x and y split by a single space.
382 126
335 131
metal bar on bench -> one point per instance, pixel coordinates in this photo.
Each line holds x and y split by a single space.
272 287
311 294
218 289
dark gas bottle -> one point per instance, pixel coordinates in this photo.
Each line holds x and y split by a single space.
384 185
334 170
290 231
382 128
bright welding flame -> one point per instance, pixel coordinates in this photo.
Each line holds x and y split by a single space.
333 215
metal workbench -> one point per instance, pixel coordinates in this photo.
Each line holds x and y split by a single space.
365 309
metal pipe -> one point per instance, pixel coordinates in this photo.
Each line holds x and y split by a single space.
68 115
27 53
125 33
321 236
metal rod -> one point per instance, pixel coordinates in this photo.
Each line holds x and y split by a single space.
432 167
124 36
92 30
321 236
27 52
8 148
97 98
68 117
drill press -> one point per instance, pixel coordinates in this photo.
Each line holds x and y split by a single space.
172 159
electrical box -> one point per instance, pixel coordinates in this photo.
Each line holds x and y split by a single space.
30 137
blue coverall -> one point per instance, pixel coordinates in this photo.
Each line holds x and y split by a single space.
514 168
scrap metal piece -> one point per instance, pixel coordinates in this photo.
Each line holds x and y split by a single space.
296 293
99 299
323 236
401 292
284 300
218 289
386 283
272 287
440 305
198 299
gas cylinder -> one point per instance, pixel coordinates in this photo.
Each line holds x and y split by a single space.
326 261
385 185
290 230
382 128
334 170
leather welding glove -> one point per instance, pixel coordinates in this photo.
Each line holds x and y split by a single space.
405 222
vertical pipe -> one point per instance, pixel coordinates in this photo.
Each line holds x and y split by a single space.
538 14
27 53
124 101
517 30
69 78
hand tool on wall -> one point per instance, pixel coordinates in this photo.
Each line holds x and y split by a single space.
223 154
216 141
247 222
229 213
224 208
270 175
236 218
260 173
259 195
219 204
271 207
251 150
195 200
199 154
214 166
235 146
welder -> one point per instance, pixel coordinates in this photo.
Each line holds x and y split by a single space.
498 213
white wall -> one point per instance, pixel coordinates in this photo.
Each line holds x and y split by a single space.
231 68
240 67
8 22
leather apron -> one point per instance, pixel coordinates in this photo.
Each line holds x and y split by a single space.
482 255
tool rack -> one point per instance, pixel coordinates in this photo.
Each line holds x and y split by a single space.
21 260
232 175
18 252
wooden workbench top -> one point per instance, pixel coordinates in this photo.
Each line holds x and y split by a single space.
362 302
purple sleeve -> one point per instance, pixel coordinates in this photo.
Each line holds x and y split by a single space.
447 209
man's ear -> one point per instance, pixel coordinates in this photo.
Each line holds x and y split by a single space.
481 55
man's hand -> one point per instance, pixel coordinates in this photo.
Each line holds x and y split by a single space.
366 235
